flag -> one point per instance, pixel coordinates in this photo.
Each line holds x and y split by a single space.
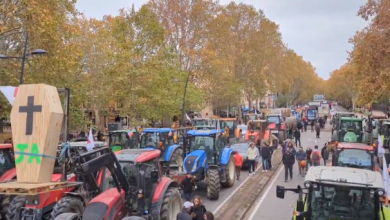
91 142
381 150
130 134
10 93
386 177
188 117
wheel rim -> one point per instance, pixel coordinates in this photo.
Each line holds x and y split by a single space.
175 208
231 170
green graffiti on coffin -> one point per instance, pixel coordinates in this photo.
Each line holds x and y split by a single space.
32 155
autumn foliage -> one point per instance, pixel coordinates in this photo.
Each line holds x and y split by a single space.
139 60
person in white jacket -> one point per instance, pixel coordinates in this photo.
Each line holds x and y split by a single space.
253 153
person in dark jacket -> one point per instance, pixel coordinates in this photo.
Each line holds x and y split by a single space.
185 213
308 158
297 135
187 185
299 126
301 156
198 210
312 125
265 154
325 154
288 161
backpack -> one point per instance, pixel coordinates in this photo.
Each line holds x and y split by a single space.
315 156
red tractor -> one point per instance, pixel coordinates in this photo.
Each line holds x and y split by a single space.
134 186
256 131
277 126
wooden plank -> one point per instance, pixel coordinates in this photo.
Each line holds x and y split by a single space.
36 118
16 188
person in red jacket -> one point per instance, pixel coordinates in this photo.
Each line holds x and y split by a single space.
238 158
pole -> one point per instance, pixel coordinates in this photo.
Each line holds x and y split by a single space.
21 80
184 101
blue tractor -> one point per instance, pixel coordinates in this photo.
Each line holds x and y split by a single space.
210 161
163 139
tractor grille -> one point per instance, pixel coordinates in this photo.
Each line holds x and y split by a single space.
189 163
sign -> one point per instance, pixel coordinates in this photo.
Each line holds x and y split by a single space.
318 97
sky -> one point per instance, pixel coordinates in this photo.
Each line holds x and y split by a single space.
318 30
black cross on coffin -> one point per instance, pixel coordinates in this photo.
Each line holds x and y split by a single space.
30 109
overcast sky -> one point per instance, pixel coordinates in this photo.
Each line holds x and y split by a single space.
317 30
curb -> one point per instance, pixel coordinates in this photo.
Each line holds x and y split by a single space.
243 199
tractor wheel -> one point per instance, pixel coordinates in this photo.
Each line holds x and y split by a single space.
231 173
171 205
214 185
177 159
281 136
71 204
16 203
133 218
68 216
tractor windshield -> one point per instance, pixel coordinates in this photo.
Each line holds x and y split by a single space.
7 160
156 139
201 143
273 119
355 158
204 123
351 131
334 201
118 138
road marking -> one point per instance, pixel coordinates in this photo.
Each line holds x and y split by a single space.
265 194
238 187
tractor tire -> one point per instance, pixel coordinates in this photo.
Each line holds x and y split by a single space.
71 204
177 159
281 136
133 218
214 185
15 203
171 205
4 204
68 216
231 173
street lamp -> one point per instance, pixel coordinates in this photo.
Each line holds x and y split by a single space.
184 98
24 57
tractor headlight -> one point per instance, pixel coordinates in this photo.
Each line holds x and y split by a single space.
307 184
381 192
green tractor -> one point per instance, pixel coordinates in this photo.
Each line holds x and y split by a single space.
336 117
339 193
123 139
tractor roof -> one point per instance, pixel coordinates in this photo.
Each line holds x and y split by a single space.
5 146
227 119
351 119
204 132
159 130
379 117
345 176
262 121
137 155
358 146
344 113
85 143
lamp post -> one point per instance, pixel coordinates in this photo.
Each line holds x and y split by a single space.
184 98
24 57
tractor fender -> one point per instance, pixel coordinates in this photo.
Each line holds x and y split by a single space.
9 175
225 157
109 205
170 150
158 196
77 195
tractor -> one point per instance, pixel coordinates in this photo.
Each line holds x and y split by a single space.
339 193
252 116
163 139
205 124
277 126
209 161
336 117
133 184
354 155
384 129
229 125
123 139
256 131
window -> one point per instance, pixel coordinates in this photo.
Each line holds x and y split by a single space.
273 119
203 143
6 160
355 158
351 131
150 140
333 202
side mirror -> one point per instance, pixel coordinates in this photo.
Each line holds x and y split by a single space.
280 192
154 176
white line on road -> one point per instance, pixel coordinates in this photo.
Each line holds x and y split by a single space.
265 194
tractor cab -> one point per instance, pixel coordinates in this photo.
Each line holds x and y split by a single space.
205 123
256 131
163 140
339 193
373 126
384 129
252 116
277 126
123 139
349 130
336 117
358 156
229 125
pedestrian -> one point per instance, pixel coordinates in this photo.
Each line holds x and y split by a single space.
270 156
312 125
239 160
297 135
288 161
325 154
208 216
318 130
304 119
185 212
316 156
326 118
301 156
187 184
257 159
308 159
299 126
198 210
252 153
265 154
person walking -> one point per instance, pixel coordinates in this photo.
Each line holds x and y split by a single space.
301 156
316 156
252 153
198 209
265 154
297 135
258 157
312 125
308 159
325 154
318 130
187 184
208 216
304 120
270 156
239 160
288 161
185 212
